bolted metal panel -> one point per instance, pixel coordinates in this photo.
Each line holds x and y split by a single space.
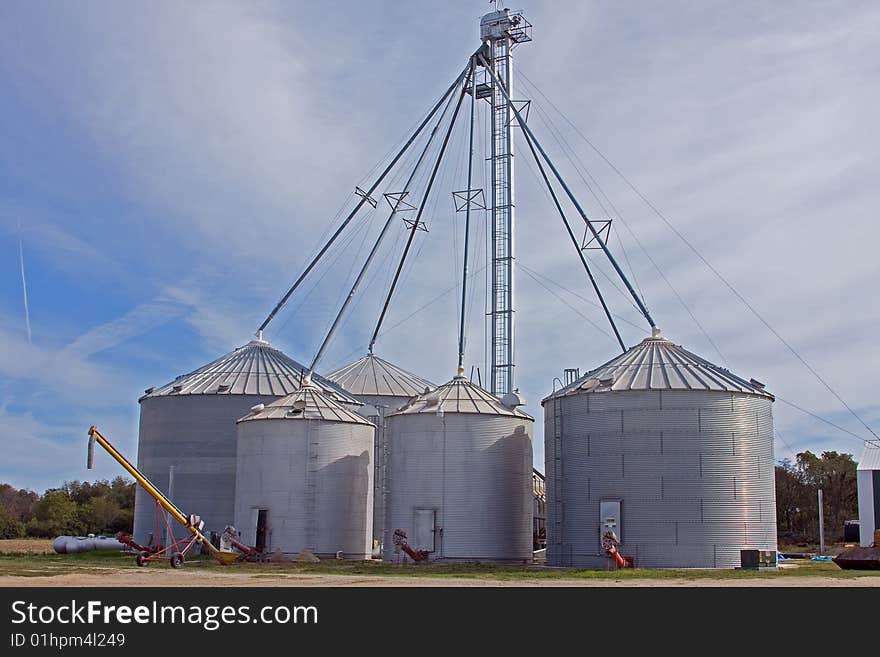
694 472
196 435
868 489
474 469
253 369
383 405
189 424
371 376
386 388
313 476
658 364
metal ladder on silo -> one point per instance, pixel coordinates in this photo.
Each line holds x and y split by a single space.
558 506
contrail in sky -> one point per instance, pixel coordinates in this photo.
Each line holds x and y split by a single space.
27 312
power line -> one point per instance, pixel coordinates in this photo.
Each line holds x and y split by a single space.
711 268
587 319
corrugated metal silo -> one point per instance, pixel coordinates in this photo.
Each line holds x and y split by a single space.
459 476
868 490
304 477
673 453
189 424
385 388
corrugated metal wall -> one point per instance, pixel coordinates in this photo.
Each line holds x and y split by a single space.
196 434
694 472
384 404
314 477
474 471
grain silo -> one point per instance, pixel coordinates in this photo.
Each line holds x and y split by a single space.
304 477
384 388
187 436
868 489
459 476
672 453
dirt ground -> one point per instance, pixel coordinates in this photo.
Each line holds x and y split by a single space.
162 576
32 563
168 578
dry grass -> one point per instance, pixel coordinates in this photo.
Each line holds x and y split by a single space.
26 546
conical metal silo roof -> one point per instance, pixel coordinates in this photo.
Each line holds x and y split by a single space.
307 403
659 364
459 396
253 369
372 375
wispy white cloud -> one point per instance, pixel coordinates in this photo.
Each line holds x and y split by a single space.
235 132
136 322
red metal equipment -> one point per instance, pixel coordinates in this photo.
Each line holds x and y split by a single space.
125 539
610 543
230 536
400 541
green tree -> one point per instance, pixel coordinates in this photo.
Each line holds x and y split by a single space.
18 504
10 527
797 487
55 514
835 474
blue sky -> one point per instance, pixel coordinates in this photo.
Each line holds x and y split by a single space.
171 166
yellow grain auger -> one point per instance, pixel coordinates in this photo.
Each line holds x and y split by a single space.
177 551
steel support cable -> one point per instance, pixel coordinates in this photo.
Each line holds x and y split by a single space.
574 241
531 275
626 225
396 177
632 271
360 227
363 200
391 215
398 277
330 261
418 310
784 442
559 285
469 70
467 227
411 261
599 269
568 152
411 183
711 268
362 181
582 170
822 419
528 131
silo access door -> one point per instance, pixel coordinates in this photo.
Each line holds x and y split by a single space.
423 536
609 519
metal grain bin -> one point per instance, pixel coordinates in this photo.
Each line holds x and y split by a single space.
189 424
459 476
384 388
671 452
304 477
868 489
